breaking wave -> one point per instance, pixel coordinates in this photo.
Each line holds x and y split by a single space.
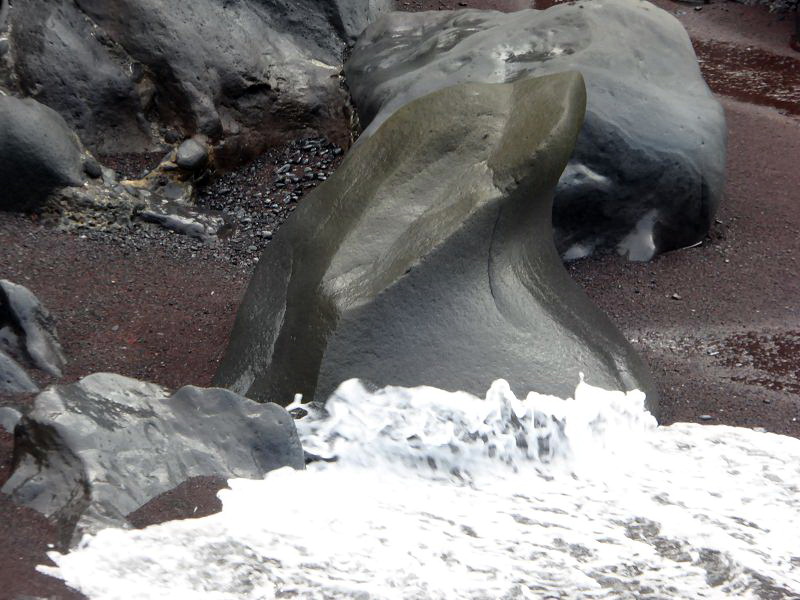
423 493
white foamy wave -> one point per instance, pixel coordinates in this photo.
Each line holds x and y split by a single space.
431 494
445 434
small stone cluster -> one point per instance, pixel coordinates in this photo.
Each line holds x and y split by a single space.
257 198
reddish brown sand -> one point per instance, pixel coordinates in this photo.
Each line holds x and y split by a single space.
719 324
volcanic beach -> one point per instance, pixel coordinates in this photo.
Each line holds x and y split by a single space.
718 323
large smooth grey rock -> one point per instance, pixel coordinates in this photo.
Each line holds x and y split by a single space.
428 258
38 153
92 452
249 71
28 336
648 169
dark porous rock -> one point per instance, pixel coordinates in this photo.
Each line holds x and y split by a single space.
252 72
648 169
27 330
92 452
428 258
38 153
192 155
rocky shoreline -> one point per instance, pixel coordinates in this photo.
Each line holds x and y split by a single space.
719 324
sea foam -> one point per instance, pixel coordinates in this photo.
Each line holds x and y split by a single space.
423 493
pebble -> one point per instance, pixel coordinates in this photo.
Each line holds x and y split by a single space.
191 155
92 168
706 417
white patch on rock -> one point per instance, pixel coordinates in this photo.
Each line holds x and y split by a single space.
639 244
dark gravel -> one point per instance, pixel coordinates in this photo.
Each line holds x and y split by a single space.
254 200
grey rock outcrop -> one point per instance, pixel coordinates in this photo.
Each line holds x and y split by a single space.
39 153
27 339
428 258
249 71
648 169
92 452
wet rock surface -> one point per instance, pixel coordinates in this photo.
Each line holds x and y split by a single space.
38 153
428 256
648 170
127 75
27 339
92 452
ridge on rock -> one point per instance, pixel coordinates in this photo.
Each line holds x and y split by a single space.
428 258
92 452
648 169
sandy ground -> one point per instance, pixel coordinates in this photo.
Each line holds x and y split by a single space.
719 324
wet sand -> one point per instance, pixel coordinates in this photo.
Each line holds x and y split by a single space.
719 324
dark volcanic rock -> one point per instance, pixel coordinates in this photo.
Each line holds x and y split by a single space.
92 452
92 168
191 155
251 71
428 258
648 169
38 153
65 62
27 330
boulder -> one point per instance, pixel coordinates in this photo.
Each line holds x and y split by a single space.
647 173
92 452
27 332
191 155
428 258
249 71
38 153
